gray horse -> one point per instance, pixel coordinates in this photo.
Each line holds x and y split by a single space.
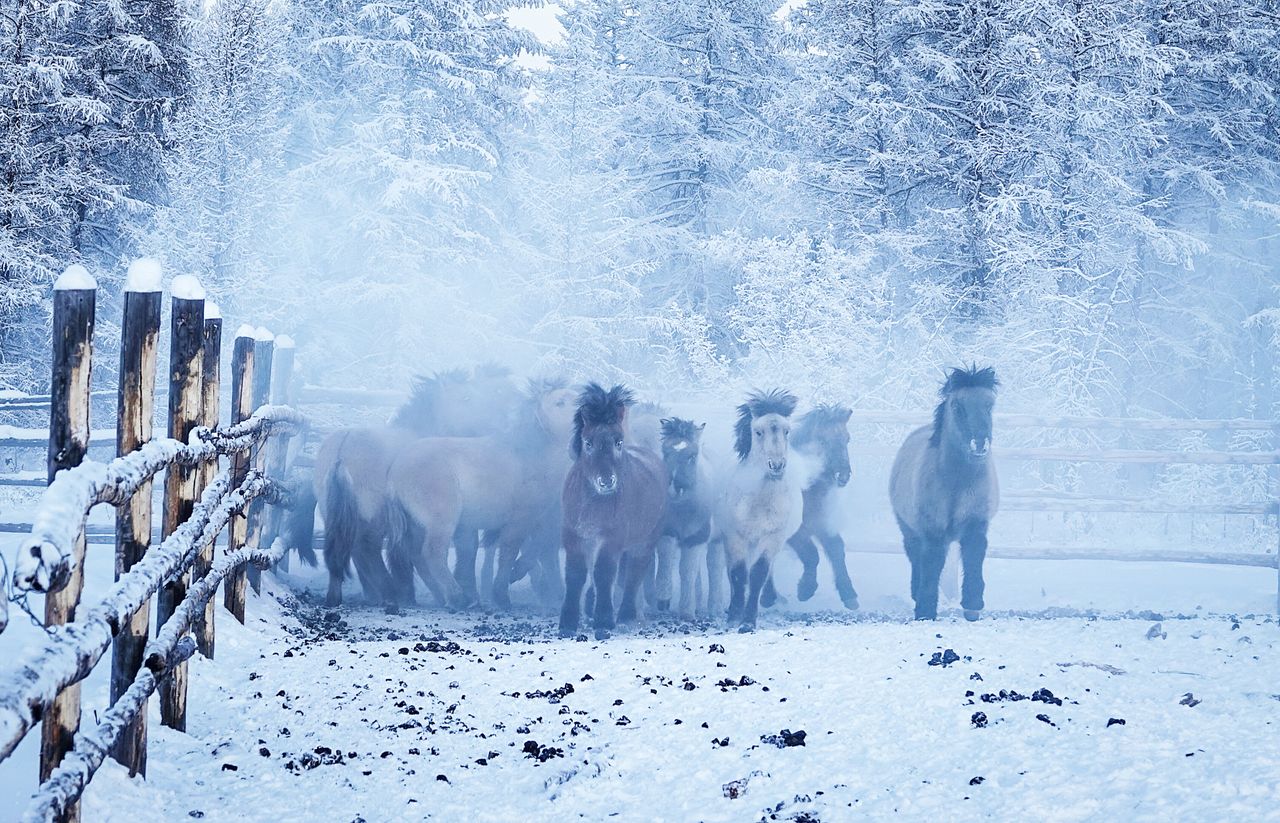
944 488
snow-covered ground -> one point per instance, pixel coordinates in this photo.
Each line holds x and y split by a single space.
316 714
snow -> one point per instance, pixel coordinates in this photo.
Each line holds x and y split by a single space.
263 335
212 311
186 287
886 733
75 277
284 341
144 275
245 330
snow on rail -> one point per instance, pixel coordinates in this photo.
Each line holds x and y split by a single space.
43 561
72 650
75 277
144 275
170 647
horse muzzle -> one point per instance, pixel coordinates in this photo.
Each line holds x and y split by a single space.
605 485
776 469
842 479
978 452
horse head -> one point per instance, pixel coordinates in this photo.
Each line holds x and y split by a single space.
764 429
962 421
681 446
598 435
551 406
824 431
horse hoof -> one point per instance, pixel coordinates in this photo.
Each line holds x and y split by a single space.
664 605
567 632
391 608
602 634
972 614
806 588
331 602
746 628
851 603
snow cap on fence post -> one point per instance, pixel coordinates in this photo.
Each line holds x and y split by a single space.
75 277
212 311
186 287
144 275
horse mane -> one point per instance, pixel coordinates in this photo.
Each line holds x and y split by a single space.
597 407
821 415
527 429
490 370
419 411
760 403
677 428
958 377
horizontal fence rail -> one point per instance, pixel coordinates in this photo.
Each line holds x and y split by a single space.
209 484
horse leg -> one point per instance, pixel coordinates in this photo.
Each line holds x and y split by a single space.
759 574
802 543
768 594
637 564
508 550
551 584
833 547
466 542
717 579
973 550
435 559
487 568
911 545
737 590
575 577
606 572
400 553
367 557
932 555
667 548
692 557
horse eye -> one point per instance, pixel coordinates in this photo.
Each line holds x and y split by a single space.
617 444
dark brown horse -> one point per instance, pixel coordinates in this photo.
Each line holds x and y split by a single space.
613 502
944 488
821 438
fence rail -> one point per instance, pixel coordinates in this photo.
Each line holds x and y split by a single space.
200 502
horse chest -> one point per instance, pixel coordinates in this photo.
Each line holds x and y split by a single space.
763 512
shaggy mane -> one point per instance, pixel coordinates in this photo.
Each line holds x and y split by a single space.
597 407
677 428
816 418
418 413
958 377
760 403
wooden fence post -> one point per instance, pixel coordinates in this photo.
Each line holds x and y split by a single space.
233 590
186 359
210 375
263 348
74 300
140 330
278 454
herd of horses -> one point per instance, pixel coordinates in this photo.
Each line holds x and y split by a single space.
632 499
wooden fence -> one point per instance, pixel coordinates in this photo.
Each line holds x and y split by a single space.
201 499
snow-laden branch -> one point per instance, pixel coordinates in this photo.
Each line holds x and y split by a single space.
171 646
73 650
43 563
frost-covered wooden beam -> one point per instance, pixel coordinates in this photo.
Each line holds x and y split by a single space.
43 561
1038 421
73 650
67 783
1150 456
170 648
233 593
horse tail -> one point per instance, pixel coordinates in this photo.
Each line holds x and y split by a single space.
341 522
300 522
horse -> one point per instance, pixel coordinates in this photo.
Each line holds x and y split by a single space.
821 436
349 477
686 527
613 500
944 489
760 505
442 489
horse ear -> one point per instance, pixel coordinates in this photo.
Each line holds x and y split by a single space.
701 426
845 414
665 421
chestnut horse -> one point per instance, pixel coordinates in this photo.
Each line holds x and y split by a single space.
613 501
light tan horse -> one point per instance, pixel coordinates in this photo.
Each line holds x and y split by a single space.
760 504
439 487
350 478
